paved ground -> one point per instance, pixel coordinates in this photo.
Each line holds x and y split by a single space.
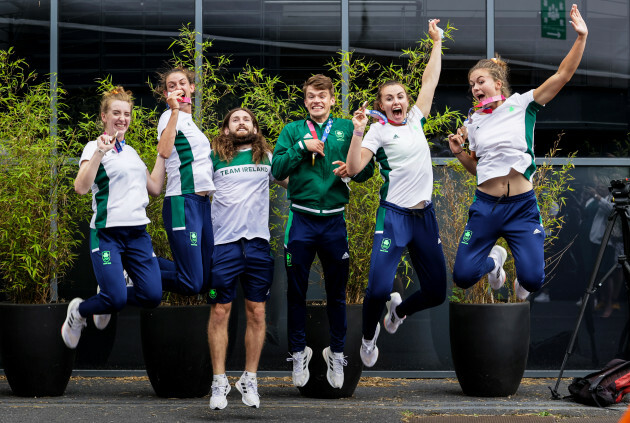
97 399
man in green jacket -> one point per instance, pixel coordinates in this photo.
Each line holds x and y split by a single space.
312 154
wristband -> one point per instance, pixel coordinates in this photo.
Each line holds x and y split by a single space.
357 133
459 152
100 150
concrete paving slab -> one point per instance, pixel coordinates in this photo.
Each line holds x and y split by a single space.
97 399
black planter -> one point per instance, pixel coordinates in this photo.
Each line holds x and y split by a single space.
175 350
96 345
318 338
35 359
489 346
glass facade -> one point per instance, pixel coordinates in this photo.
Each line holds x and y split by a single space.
295 38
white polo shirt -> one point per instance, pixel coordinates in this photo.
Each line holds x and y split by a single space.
189 168
240 205
504 139
119 191
403 155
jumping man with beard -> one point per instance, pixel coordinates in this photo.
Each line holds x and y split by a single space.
240 215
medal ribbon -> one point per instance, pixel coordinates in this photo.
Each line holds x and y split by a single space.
311 128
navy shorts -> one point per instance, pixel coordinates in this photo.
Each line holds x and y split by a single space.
247 259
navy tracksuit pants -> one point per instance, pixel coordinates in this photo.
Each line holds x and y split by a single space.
326 236
417 230
517 220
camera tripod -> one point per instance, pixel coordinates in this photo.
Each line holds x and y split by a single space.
621 208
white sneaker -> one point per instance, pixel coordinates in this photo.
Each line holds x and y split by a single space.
392 321
74 324
248 387
521 293
496 278
220 389
369 350
335 363
101 320
300 361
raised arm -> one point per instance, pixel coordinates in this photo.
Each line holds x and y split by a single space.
167 137
552 86
358 157
431 74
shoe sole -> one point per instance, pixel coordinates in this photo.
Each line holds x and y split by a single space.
226 403
328 368
239 389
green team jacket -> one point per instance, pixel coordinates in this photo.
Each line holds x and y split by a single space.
315 189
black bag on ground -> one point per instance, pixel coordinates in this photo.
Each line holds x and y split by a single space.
604 387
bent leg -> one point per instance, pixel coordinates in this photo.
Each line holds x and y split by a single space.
480 234
186 218
144 270
427 257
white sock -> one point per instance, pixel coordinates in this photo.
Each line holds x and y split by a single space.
219 378
249 375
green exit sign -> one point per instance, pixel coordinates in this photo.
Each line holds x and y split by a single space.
553 22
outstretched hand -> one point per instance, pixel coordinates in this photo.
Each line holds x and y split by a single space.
577 22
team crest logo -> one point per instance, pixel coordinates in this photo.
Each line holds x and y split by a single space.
193 239
107 257
339 135
467 236
213 294
385 244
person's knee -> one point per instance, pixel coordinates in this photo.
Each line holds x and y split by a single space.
118 302
151 299
436 297
532 281
220 313
379 293
463 277
256 314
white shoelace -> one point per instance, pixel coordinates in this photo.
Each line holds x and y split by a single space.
298 362
339 363
76 321
219 389
251 387
368 345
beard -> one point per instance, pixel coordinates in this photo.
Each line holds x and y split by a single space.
248 138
